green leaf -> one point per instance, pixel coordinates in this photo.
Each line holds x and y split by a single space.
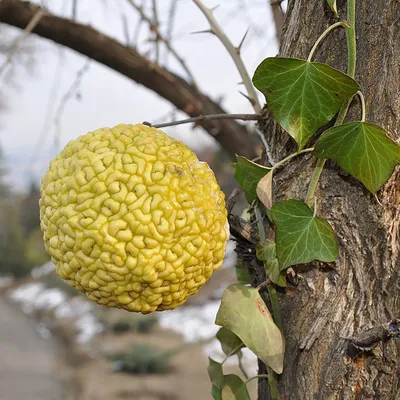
332 5
243 311
248 174
301 95
216 393
266 252
217 377
229 341
300 236
234 389
242 275
363 150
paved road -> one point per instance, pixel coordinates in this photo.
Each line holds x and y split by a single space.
27 362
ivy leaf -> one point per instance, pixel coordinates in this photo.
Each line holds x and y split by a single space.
242 275
217 378
234 388
363 150
229 341
301 95
332 5
300 236
248 174
216 393
243 311
264 190
266 252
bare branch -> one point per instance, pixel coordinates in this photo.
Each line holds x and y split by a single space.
156 28
243 117
45 129
125 27
92 43
74 9
234 53
163 40
18 42
170 26
67 96
136 34
278 15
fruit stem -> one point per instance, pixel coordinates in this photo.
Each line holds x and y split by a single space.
255 377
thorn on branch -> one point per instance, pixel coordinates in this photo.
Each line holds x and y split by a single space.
247 97
239 48
233 52
205 31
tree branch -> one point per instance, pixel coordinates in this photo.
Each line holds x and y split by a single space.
127 61
163 39
234 52
243 117
16 45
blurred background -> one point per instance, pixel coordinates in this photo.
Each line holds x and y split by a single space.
55 344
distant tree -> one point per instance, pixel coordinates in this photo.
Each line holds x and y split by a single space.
29 210
11 233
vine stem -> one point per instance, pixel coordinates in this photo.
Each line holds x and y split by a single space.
289 157
255 377
276 312
232 353
210 117
350 29
322 37
361 96
241 367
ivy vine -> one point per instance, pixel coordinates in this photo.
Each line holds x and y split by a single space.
302 96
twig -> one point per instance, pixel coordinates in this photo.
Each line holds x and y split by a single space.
125 28
74 9
234 53
156 30
170 26
137 29
45 130
279 16
18 42
231 201
162 39
75 85
243 117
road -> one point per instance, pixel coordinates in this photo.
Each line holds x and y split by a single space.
28 363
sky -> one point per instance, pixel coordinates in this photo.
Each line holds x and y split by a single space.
47 105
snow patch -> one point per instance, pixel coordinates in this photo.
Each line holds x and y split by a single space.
35 297
196 323
44 270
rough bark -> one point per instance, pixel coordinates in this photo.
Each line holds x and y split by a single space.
362 289
232 136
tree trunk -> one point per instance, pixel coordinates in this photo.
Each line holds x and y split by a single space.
362 289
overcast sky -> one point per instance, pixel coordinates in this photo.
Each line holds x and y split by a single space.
33 130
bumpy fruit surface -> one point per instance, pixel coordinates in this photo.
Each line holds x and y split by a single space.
131 218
